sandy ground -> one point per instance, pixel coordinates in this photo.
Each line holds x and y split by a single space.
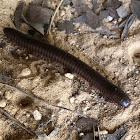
112 59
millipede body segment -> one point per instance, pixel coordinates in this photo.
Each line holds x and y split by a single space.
71 64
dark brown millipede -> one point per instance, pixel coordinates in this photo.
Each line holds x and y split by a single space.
71 64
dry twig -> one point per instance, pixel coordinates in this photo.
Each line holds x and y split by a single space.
42 100
52 19
16 121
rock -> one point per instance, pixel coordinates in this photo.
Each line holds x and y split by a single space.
17 14
2 103
72 99
37 115
122 12
80 19
86 124
135 7
80 6
92 20
81 134
104 14
66 26
112 3
38 14
69 75
109 18
113 13
104 132
25 72
46 130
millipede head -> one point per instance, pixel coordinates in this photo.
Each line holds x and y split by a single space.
125 103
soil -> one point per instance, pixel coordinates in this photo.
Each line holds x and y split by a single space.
115 60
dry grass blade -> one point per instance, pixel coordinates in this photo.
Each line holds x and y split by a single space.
41 100
93 132
16 121
99 133
34 97
52 19
123 137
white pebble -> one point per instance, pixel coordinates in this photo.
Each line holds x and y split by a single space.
104 132
2 103
81 134
37 115
72 99
109 18
69 75
25 72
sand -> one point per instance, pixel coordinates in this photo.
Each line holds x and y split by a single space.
33 75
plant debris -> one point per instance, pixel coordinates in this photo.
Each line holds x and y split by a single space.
92 19
17 14
119 134
122 12
46 130
80 6
86 124
112 3
66 25
16 121
38 14
80 19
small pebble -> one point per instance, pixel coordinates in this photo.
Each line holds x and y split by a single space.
37 115
72 99
105 36
81 134
104 132
2 103
25 72
26 57
69 75
109 18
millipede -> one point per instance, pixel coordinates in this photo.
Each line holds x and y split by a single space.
71 63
